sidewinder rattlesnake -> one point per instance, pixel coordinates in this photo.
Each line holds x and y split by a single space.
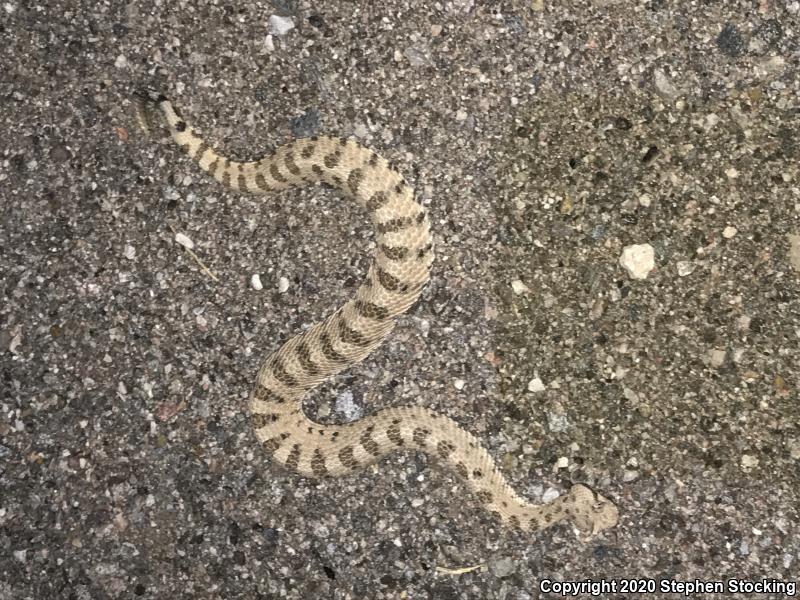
395 279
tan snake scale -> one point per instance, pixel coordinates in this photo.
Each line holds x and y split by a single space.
395 279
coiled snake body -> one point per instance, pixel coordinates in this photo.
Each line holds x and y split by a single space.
394 281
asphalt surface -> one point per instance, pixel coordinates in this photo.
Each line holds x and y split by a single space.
544 138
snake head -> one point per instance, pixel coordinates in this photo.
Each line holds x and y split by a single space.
592 512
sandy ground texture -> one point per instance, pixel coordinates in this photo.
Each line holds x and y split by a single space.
544 138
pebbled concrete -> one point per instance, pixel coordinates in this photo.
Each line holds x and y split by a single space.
545 138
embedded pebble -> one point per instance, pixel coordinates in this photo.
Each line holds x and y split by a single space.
549 495
716 357
730 40
664 85
280 25
630 395
459 384
744 548
502 567
749 461
283 285
129 252
360 130
729 232
684 268
557 422
255 281
638 260
519 287
184 241
346 406
794 449
536 385
418 57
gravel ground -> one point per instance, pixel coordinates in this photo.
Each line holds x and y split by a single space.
545 138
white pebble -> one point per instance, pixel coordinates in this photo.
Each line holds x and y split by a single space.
629 475
638 260
459 384
729 232
685 268
129 252
536 385
664 85
502 567
519 287
417 502
630 395
425 327
716 358
269 43
360 130
645 200
345 405
794 450
550 494
255 281
562 462
280 25
121 62
283 285
184 241
711 121
749 461
417 57
557 422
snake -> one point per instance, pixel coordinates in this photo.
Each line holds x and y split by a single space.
399 270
